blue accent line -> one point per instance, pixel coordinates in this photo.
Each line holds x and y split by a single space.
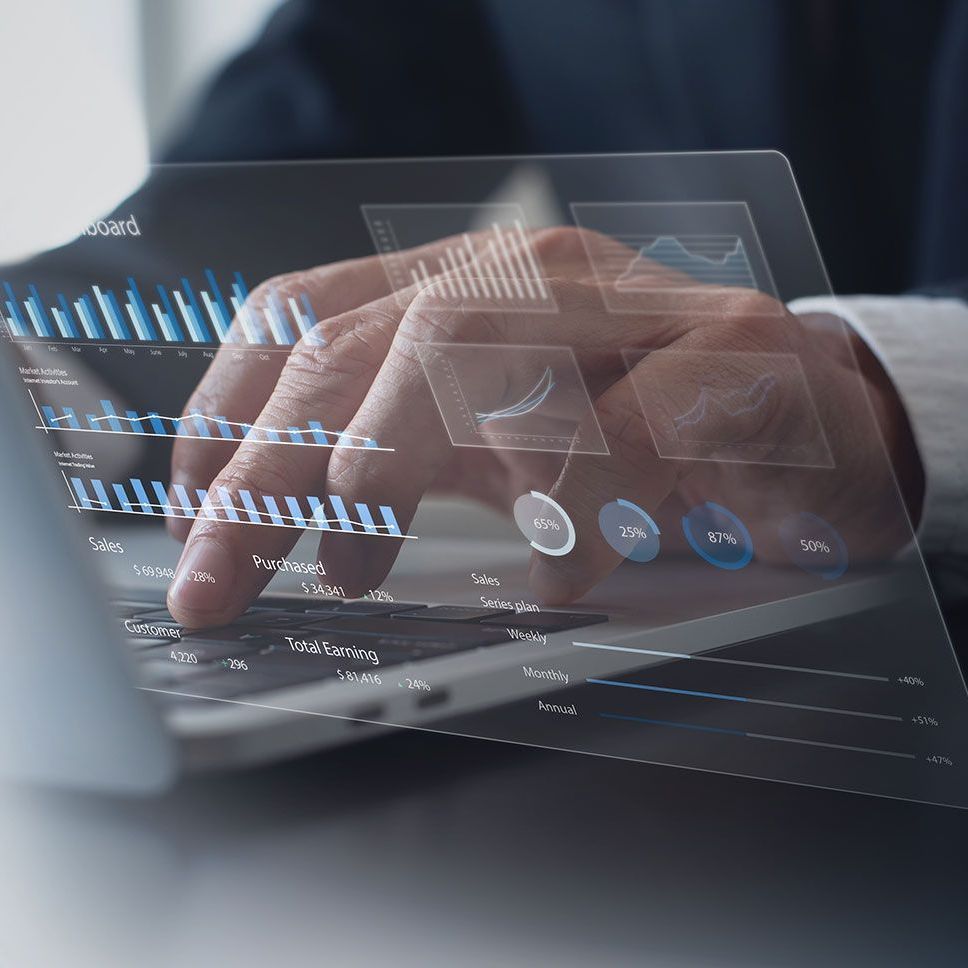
15 309
162 496
250 507
201 424
110 412
184 500
18 328
665 722
304 299
227 502
281 317
142 496
274 515
251 327
366 519
679 692
141 310
243 289
170 313
205 506
219 299
101 493
71 327
123 501
390 520
206 337
112 301
41 312
92 317
318 512
339 509
80 493
296 511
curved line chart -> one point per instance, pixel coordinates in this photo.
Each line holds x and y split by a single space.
527 404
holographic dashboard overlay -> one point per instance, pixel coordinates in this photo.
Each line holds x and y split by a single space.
512 397
482 254
673 254
751 408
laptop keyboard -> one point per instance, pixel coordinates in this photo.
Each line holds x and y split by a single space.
275 644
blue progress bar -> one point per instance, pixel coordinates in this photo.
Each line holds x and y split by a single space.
680 692
666 722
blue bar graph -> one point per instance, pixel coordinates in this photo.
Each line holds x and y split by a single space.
242 507
185 313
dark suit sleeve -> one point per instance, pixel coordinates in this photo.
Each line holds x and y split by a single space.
328 78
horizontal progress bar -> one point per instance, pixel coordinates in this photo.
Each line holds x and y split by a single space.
740 662
765 736
223 440
265 524
746 699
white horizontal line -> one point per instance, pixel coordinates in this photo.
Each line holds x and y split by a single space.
266 524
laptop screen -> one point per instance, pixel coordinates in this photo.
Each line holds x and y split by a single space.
550 450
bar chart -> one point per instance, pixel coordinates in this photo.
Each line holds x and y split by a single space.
178 315
480 254
153 498
113 420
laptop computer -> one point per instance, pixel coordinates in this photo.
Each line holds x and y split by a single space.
700 655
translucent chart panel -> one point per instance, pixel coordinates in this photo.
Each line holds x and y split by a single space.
673 255
746 407
480 254
726 581
517 397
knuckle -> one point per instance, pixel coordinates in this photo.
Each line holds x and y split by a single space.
561 242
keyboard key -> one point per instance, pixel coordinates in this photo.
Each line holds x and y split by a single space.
137 643
366 607
454 613
547 621
133 608
272 620
238 634
411 630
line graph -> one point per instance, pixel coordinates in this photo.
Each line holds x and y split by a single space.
135 496
731 403
512 396
729 406
194 424
673 256
717 260
531 401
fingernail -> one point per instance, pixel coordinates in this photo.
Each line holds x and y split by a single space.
205 579
547 583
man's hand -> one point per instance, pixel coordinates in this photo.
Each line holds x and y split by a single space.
798 432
